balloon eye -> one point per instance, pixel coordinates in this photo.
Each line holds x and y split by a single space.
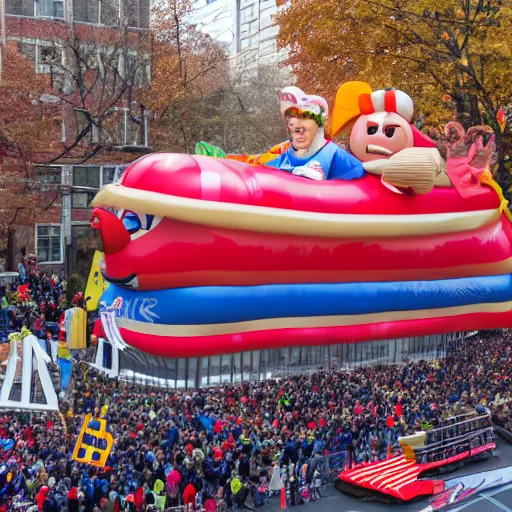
372 130
131 222
390 131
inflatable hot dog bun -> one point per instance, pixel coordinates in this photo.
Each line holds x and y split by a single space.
213 256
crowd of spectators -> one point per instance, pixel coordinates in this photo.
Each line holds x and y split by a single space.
34 300
231 446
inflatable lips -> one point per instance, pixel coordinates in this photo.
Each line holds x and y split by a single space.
186 238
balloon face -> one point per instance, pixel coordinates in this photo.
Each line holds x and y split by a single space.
380 135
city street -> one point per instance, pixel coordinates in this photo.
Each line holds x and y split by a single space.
490 501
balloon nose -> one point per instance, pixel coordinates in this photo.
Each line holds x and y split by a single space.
113 233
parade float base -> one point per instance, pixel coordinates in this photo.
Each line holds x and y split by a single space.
397 480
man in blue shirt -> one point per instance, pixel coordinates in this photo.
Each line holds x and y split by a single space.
310 155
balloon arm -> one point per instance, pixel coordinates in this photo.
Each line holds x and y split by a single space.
409 158
416 169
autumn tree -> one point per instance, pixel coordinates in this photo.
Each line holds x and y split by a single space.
74 96
239 115
454 57
187 65
27 133
199 93
249 113
97 77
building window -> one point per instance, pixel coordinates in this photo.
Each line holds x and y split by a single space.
119 173
249 42
131 13
49 243
85 177
20 7
48 178
267 21
109 12
29 50
247 14
254 27
107 175
49 8
87 11
83 122
82 199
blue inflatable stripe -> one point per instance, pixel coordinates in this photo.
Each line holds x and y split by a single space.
226 304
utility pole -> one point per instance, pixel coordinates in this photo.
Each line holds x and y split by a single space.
67 186
3 38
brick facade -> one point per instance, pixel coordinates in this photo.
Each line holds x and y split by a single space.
101 23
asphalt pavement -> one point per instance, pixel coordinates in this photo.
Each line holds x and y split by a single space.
490 501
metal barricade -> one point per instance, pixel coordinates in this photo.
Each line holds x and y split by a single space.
335 463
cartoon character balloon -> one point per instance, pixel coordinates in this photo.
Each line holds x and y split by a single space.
384 138
384 126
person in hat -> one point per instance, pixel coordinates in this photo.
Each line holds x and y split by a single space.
41 497
307 153
73 502
310 154
129 505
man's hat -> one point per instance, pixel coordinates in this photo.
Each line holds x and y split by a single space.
294 99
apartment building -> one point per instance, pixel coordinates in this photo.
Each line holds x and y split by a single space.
101 30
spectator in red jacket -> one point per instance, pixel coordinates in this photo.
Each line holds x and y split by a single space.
73 503
189 495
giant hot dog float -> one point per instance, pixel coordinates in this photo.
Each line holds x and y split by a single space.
208 256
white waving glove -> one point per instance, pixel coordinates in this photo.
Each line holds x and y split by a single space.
314 172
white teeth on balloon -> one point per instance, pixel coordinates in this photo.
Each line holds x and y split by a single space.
138 234
154 224
133 283
373 148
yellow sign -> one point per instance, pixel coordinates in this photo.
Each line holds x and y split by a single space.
94 442
96 285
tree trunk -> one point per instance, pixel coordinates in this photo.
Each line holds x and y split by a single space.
467 109
185 139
